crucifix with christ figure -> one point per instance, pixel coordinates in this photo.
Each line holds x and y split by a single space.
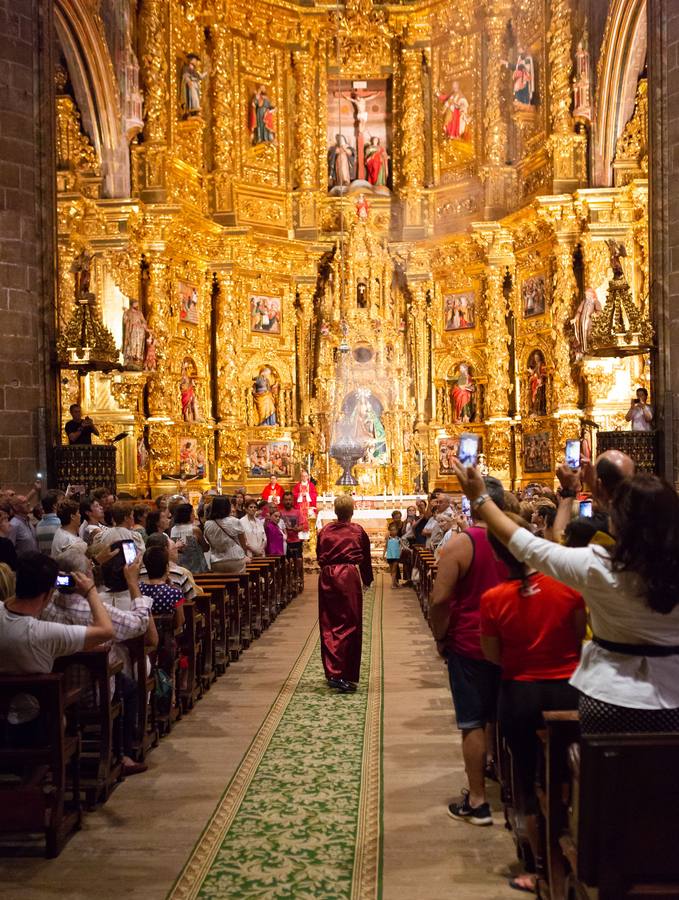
359 97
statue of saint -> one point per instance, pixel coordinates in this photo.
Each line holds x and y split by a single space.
376 162
190 407
135 331
523 80
582 321
537 384
263 392
262 124
362 208
190 85
616 250
455 112
463 395
340 162
80 267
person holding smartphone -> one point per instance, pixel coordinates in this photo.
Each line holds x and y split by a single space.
79 430
640 414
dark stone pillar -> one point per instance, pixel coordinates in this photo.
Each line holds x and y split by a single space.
27 213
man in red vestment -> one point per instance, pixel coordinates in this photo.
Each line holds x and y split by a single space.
344 558
273 492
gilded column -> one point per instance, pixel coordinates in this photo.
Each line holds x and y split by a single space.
221 87
149 176
419 345
153 58
304 310
494 122
560 66
229 400
304 119
495 174
565 291
497 245
161 390
568 149
412 121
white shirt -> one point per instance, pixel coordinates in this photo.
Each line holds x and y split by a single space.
88 531
109 536
223 537
29 646
618 612
638 419
255 536
63 539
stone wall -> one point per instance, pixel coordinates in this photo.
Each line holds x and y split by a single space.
27 401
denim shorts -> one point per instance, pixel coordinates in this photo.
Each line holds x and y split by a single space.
474 684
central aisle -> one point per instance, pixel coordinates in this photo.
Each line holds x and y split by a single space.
276 787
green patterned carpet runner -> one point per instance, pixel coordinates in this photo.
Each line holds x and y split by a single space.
301 818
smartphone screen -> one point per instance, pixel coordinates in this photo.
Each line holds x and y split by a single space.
586 508
65 581
466 507
468 450
573 454
129 552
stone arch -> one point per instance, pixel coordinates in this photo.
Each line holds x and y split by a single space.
82 40
622 61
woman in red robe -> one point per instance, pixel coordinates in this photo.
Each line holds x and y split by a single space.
344 558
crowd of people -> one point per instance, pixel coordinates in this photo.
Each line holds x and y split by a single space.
520 576
77 571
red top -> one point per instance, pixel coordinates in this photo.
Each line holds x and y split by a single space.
464 636
535 628
291 519
273 493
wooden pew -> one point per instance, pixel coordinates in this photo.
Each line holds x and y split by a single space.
101 753
33 789
220 612
206 673
167 658
512 801
147 725
190 689
235 593
621 836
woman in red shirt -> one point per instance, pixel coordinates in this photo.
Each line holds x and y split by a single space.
532 626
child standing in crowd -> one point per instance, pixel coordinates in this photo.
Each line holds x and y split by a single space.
392 552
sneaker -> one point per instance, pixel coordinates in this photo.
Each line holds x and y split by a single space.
476 815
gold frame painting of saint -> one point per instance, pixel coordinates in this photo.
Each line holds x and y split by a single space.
189 302
266 314
534 295
459 311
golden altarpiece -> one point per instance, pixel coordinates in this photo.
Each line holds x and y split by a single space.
370 211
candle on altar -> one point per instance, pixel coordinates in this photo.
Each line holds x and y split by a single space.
421 473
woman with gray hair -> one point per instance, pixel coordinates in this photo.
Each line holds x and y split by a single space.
344 558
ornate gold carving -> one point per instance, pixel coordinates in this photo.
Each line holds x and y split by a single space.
564 301
560 66
74 150
631 148
154 66
412 121
495 124
304 119
620 330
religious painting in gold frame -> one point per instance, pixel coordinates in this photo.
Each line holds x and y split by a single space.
537 454
266 314
266 458
189 302
534 295
459 311
192 461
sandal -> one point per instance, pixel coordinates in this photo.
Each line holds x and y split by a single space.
517 886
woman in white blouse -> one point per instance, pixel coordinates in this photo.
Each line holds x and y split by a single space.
629 673
224 534
253 529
